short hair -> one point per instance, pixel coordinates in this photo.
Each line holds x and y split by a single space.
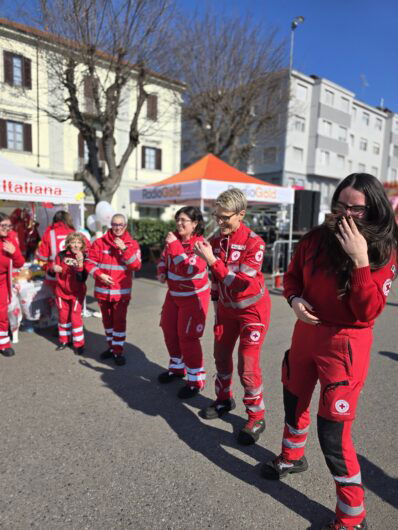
76 235
195 215
63 216
119 215
232 200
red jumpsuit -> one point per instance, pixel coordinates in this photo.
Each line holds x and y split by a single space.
185 308
336 353
7 262
106 258
70 291
53 241
243 310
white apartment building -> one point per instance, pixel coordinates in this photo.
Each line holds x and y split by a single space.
324 135
31 138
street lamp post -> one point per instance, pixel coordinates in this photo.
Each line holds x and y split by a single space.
295 22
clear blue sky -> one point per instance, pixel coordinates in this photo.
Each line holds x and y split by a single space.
339 39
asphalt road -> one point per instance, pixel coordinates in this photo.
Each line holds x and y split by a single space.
88 445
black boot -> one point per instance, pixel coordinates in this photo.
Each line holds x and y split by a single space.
7 352
250 433
168 377
187 392
61 346
280 467
120 360
218 409
79 350
107 354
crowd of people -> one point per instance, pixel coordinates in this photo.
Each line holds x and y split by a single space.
336 284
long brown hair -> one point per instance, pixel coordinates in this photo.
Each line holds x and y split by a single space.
378 228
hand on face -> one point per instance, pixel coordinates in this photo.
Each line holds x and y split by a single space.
304 311
352 242
204 250
170 238
9 247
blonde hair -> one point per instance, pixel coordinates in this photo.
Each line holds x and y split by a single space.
75 235
232 200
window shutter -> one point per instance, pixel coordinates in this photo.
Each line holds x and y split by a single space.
27 137
3 134
80 145
143 157
152 107
7 60
27 73
159 159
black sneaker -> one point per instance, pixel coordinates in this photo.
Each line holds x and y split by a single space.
218 409
61 346
168 377
337 525
120 360
79 350
251 432
7 352
280 467
187 392
107 354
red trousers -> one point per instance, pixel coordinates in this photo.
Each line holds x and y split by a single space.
114 315
250 325
339 359
4 337
183 322
70 322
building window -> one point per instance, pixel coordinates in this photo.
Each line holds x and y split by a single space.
15 135
349 166
329 97
298 154
342 134
299 124
396 127
17 70
345 104
363 144
354 113
365 118
327 128
325 157
376 148
269 155
301 92
395 150
361 168
152 107
378 124
340 161
151 158
352 140
375 171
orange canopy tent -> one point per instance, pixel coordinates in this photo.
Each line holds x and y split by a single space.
204 180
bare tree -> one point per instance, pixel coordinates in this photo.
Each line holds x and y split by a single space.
98 65
234 85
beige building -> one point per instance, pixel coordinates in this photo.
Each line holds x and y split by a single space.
31 138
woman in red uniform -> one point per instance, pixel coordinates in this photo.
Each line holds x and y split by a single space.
187 300
10 256
337 284
70 291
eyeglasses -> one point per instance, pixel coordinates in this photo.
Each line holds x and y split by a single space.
117 225
5 226
223 218
358 209
183 221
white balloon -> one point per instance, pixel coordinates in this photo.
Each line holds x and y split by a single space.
85 232
104 212
91 223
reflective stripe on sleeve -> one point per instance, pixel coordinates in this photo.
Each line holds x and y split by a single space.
93 271
130 260
242 304
109 267
189 293
229 278
42 258
249 271
176 277
178 259
112 291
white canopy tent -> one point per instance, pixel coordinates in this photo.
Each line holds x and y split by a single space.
20 184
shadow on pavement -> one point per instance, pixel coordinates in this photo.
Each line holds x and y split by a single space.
377 481
392 355
136 383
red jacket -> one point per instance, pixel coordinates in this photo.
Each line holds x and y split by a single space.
53 241
71 281
239 282
7 262
356 309
186 273
106 258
